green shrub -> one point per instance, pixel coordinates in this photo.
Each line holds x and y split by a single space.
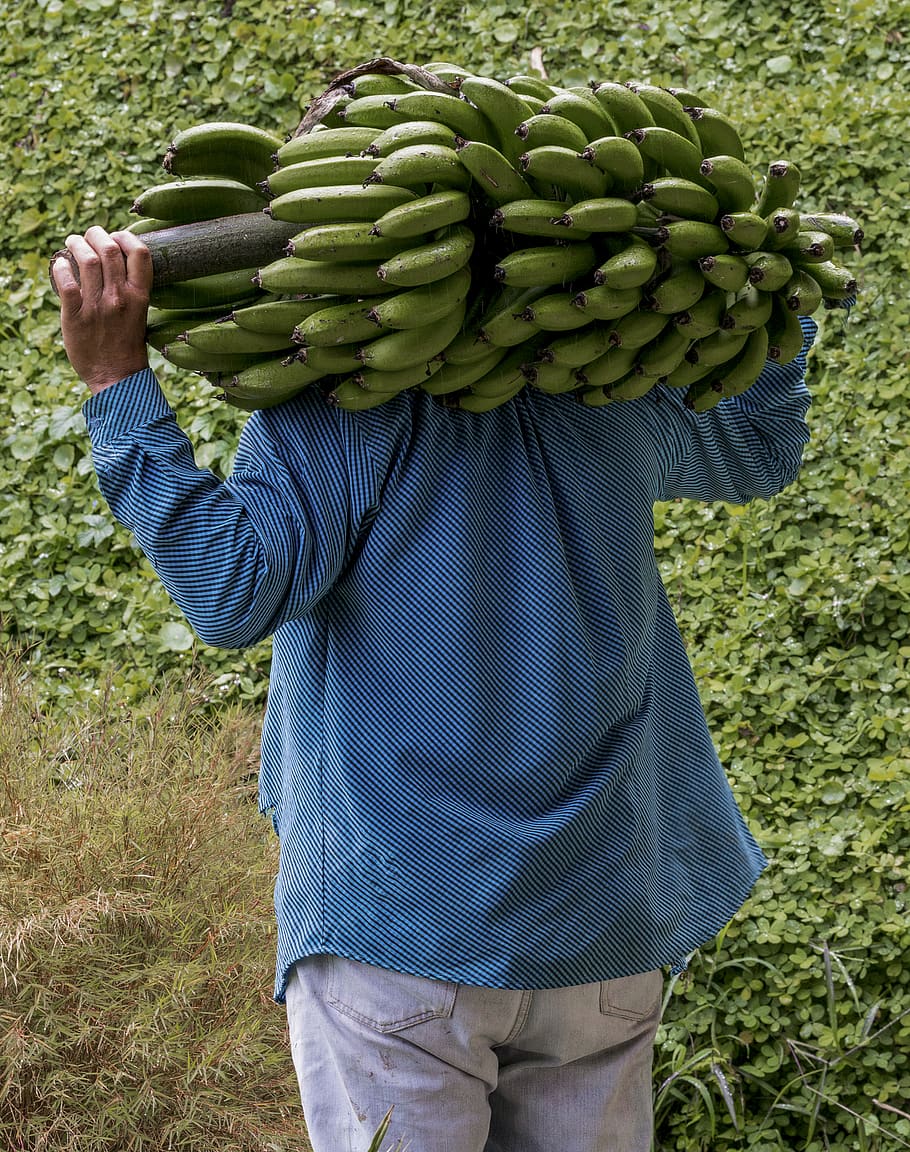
793 1032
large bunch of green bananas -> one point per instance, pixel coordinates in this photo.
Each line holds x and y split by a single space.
479 237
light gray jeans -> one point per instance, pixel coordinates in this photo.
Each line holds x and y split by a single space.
471 1069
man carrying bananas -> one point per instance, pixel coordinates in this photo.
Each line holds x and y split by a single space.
500 811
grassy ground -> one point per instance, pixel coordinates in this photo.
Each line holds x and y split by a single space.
136 933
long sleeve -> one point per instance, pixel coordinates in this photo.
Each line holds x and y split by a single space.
747 446
240 557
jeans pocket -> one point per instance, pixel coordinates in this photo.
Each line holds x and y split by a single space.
385 1000
632 997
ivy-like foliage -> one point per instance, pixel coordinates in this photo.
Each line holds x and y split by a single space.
792 1033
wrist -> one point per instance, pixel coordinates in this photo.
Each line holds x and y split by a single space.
97 382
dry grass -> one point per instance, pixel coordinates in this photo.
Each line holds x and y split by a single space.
136 932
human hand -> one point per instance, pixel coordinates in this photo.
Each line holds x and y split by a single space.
103 312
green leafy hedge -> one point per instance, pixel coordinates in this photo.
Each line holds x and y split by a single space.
792 1034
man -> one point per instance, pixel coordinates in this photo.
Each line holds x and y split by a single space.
499 807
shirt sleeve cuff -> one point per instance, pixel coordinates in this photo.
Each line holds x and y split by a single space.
133 402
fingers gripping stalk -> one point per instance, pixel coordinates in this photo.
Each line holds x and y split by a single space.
103 309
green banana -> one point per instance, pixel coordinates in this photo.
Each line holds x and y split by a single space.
802 293
453 73
351 396
318 173
783 228
542 130
407 347
270 378
780 189
182 355
409 132
544 266
634 384
534 86
222 289
533 217
428 304
688 98
504 109
452 377
432 261
683 285
632 267
687 372
785 333
727 271
336 324
618 159
415 165
463 118
665 352
329 142
603 303
626 110
293 274
745 230
168 331
704 316
336 203
424 215
834 279
556 312
398 379
204 198
768 271
503 324
149 224
379 84
704 395
588 114
504 379
334 117
371 112
671 151
224 149
843 230
613 365
719 347
742 372
554 379
810 247
731 181
717 134
692 239
330 361
580 347
667 112
750 309
344 243
472 402
566 169
277 315
680 197
492 172
228 337
602 214
637 328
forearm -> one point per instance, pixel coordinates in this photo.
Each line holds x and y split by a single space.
750 445
227 567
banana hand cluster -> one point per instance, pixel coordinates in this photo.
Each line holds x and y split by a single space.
491 236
